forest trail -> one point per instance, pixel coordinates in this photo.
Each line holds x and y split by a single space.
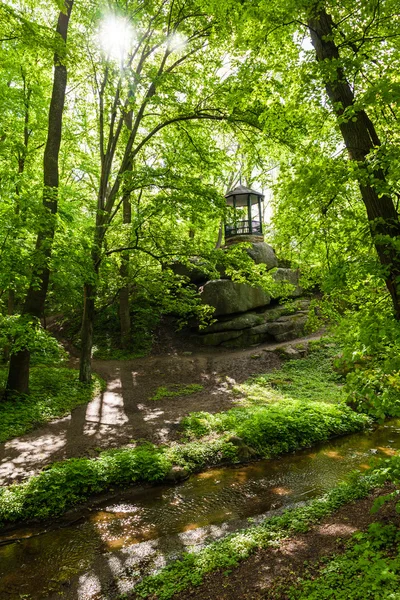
125 410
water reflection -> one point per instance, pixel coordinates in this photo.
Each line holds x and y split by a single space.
144 528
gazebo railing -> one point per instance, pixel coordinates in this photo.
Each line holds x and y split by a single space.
245 227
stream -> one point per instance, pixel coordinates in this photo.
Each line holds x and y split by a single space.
101 552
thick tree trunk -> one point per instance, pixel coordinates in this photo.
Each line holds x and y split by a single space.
18 375
360 138
124 307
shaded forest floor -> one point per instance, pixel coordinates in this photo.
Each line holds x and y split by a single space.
126 411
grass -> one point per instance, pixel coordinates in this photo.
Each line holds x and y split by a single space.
176 390
190 569
309 379
54 392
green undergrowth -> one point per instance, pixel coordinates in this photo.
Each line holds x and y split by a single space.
72 481
54 392
278 428
225 554
308 379
300 404
67 483
176 390
368 569
266 429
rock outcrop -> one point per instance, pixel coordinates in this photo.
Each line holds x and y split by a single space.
273 324
243 312
229 297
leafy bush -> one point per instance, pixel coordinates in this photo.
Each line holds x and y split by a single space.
54 392
22 331
69 482
272 430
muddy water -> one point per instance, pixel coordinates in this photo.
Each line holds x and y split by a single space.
140 530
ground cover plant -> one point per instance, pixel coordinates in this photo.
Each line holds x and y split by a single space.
368 569
298 405
54 392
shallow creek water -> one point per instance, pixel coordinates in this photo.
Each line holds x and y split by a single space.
139 530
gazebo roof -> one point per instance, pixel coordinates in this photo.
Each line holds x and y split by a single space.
241 195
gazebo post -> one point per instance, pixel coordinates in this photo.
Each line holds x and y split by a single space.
249 214
260 214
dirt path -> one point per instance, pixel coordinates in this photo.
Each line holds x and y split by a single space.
124 411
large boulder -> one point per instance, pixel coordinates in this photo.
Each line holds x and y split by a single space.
228 297
287 327
288 276
263 254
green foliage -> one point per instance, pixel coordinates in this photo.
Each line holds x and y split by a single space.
64 484
370 338
54 392
190 568
369 569
176 390
279 428
107 337
18 332
389 470
240 267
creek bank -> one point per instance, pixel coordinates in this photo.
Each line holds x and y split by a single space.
73 481
268 573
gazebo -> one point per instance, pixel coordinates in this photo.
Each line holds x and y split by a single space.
243 223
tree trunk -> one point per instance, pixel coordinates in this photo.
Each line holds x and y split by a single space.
219 240
85 368
18 375
124 308
360 138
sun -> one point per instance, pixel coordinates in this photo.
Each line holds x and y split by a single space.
116 36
